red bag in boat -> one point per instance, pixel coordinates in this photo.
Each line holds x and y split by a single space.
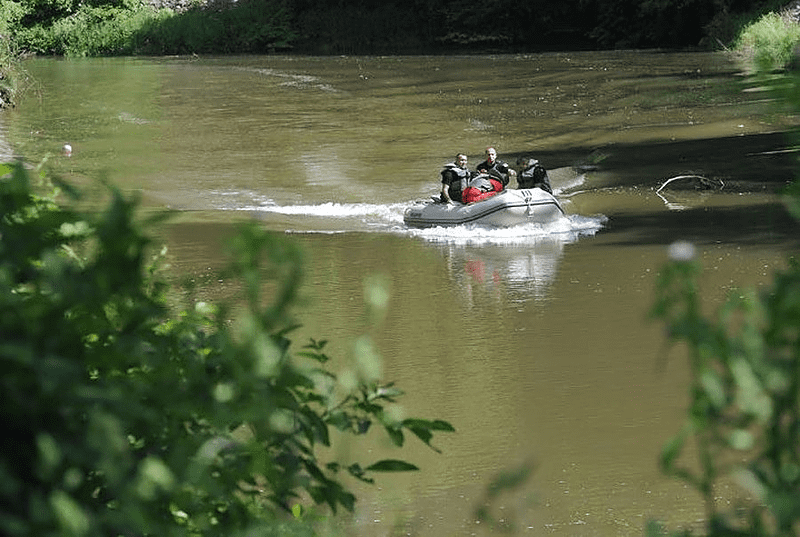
478 192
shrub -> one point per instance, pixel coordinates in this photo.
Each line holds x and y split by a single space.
121 418
744 398
247 26
770 42
90 31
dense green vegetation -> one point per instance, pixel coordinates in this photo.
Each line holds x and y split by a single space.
113 27
7 62
743 422
769 43
123 416
72 28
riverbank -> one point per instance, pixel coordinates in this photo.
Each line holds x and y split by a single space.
186 27
353 27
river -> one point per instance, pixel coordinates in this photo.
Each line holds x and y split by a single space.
533 342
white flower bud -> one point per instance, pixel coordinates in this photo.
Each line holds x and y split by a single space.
681 251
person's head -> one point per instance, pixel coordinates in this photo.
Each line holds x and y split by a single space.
525 162
491 154
461 160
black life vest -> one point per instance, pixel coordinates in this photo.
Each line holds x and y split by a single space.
535 175
498 169
456 178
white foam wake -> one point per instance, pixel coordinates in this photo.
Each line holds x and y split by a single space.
335 217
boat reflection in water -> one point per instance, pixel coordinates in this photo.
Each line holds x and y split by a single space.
519 261
515 264
521 273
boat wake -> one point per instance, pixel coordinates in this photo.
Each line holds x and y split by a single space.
565 230
333 217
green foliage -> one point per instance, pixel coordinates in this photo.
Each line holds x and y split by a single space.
650 23
506 482
121 418
769 42
34 12
38 11
247 26
125 28
744 398
106 27
349 28
91 31
10 13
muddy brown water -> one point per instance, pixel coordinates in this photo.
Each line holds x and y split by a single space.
533 342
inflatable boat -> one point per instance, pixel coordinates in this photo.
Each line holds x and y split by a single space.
508 208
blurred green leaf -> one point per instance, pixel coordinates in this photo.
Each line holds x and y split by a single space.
741 440
672 449
751 396
509 480
432 425
714 388
390 465
297 510
395 434
74 521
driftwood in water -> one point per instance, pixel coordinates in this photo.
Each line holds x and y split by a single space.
701 182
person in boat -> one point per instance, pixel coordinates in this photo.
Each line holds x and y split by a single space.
460 184
496 168
455 179
532 175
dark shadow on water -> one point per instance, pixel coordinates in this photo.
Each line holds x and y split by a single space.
766 224
759 163
747 163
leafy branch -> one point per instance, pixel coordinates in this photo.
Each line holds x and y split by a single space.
125 418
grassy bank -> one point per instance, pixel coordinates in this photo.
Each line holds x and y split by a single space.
248 26
770 43
7 84
7 63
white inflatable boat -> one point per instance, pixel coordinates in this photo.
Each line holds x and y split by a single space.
508 208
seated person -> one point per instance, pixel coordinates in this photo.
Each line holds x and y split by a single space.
455 178
496 168
532 174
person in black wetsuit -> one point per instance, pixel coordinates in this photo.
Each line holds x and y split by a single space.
532 174
496 168
455 177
